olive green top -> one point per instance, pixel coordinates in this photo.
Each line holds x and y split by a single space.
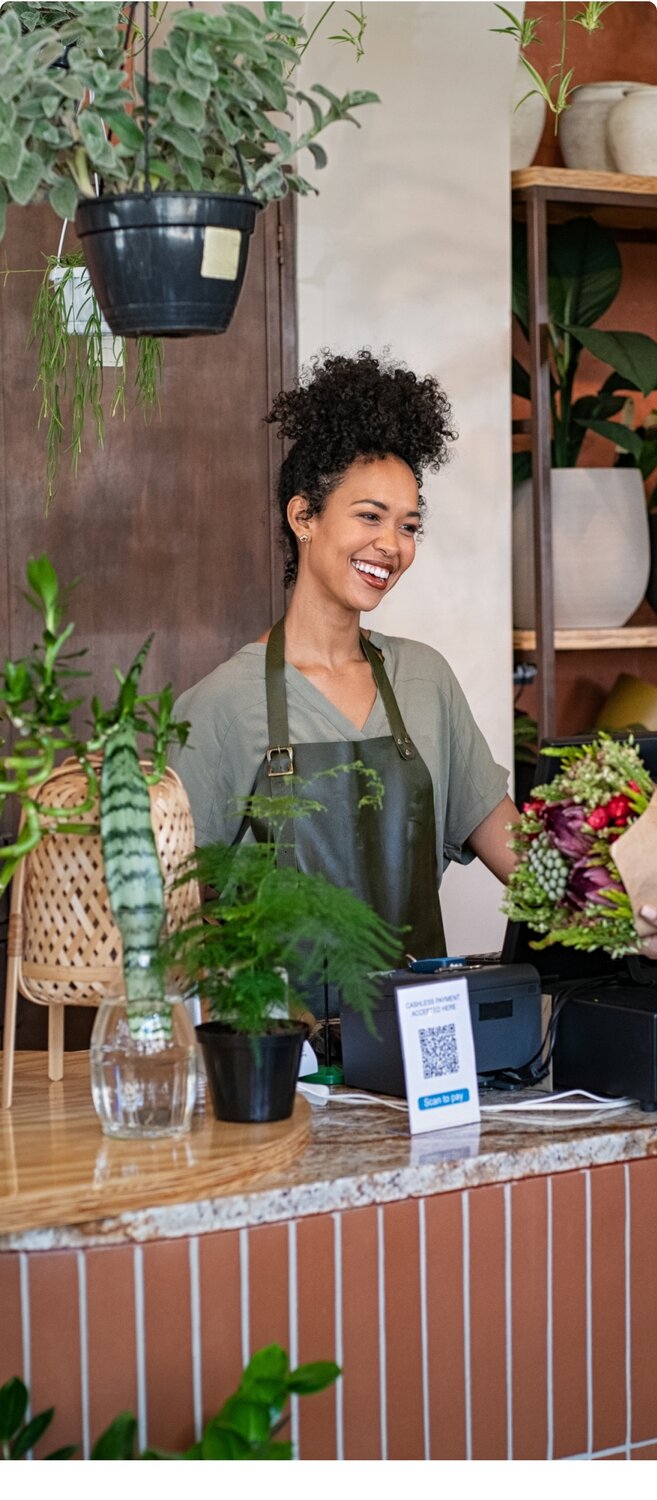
228 738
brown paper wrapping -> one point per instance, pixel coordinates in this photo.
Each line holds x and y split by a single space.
635 854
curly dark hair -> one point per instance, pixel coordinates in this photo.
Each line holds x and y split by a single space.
346 408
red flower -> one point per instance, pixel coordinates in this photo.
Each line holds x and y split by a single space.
535 806
599 818
634 786
619 808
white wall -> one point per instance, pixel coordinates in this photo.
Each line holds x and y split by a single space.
407 245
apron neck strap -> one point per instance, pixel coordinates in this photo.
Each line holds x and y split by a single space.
279 755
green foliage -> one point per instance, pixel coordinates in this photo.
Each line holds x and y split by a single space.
73 363
246 1427
525 738
222 83
556 87
36 704
584 277
262 921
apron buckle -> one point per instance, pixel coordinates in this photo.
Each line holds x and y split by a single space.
280 750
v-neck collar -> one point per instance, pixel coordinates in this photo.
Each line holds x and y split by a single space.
313 695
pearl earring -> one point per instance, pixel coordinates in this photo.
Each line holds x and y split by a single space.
304 537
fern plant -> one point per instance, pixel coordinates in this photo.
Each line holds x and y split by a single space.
262 922
72 363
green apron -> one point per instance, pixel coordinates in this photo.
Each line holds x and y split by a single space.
385 855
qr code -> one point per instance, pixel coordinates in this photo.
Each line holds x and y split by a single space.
440 1054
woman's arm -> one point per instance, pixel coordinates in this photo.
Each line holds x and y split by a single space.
489 840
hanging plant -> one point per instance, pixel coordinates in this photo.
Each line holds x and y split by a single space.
188 151
74 347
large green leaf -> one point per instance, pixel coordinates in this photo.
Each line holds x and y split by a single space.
633 355
118 1442
313 1377
584 271
247 1417
30 1434
13 1406
621 436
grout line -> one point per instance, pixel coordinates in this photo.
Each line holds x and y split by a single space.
140 1345
25 1331
294 1328
465 1224
628 1308
84 1349
589 1316
339 1390
244 1295
508 1321
195 1317
424 1327
383 1413
607 1452
549 1341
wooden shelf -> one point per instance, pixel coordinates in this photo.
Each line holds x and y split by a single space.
592 182
628 204
626 638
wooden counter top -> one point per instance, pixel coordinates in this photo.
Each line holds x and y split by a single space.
63 1184
56 1166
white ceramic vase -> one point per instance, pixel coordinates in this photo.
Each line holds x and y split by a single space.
632 130
583 127
600 544
527 121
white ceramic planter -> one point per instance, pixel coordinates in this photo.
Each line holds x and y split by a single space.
632 130
527 122
583 133
79 300
600 547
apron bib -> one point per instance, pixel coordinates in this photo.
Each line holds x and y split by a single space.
386 855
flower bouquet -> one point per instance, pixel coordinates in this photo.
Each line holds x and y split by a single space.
567 884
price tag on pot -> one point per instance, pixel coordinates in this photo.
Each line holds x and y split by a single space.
221 253
435 1028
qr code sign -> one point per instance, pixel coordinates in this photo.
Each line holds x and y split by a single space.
440 1053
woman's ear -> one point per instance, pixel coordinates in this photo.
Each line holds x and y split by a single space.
297 514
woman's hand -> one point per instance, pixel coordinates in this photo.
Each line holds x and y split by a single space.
649 944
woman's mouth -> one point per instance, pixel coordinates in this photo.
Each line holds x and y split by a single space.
372 574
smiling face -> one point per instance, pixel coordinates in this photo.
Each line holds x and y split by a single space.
364 538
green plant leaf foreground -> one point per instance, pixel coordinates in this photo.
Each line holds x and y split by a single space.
245 1427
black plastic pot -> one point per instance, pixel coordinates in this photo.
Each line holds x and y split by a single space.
252 1079
651 591
170 265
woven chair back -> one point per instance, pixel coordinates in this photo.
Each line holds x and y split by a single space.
71 949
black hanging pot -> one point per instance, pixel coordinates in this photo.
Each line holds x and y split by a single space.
252 1079
169 265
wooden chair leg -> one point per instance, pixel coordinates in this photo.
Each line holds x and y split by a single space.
14 951
56 1043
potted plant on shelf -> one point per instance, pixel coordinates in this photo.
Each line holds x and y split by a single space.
255 947
143 1057
186 153
599 523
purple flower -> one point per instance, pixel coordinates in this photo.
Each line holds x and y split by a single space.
587 883
563 823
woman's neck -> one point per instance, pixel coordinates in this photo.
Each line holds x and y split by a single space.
326 635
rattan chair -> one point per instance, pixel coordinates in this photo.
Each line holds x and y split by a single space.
63 947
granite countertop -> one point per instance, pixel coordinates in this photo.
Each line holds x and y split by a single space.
362 1153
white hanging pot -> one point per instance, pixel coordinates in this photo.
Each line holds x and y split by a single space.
527 121
79 304
632 133
600 546
583 129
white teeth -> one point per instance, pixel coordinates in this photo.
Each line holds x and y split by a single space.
363 567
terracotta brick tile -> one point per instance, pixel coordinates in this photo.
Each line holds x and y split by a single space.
444 1253
403 1331
488 1323
608 1306
316 1330
569 1313
221 1337
643 1316
111 1344
529 1317
55 1345
11 1340
268 1287
360 1334
649 1452
168 1337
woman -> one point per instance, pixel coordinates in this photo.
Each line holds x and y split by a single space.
316 692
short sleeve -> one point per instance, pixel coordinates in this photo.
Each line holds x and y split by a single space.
211 769
477 784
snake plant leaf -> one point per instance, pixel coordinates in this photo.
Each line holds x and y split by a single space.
633 355
584 271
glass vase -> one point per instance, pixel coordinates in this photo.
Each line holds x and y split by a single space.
143 1068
